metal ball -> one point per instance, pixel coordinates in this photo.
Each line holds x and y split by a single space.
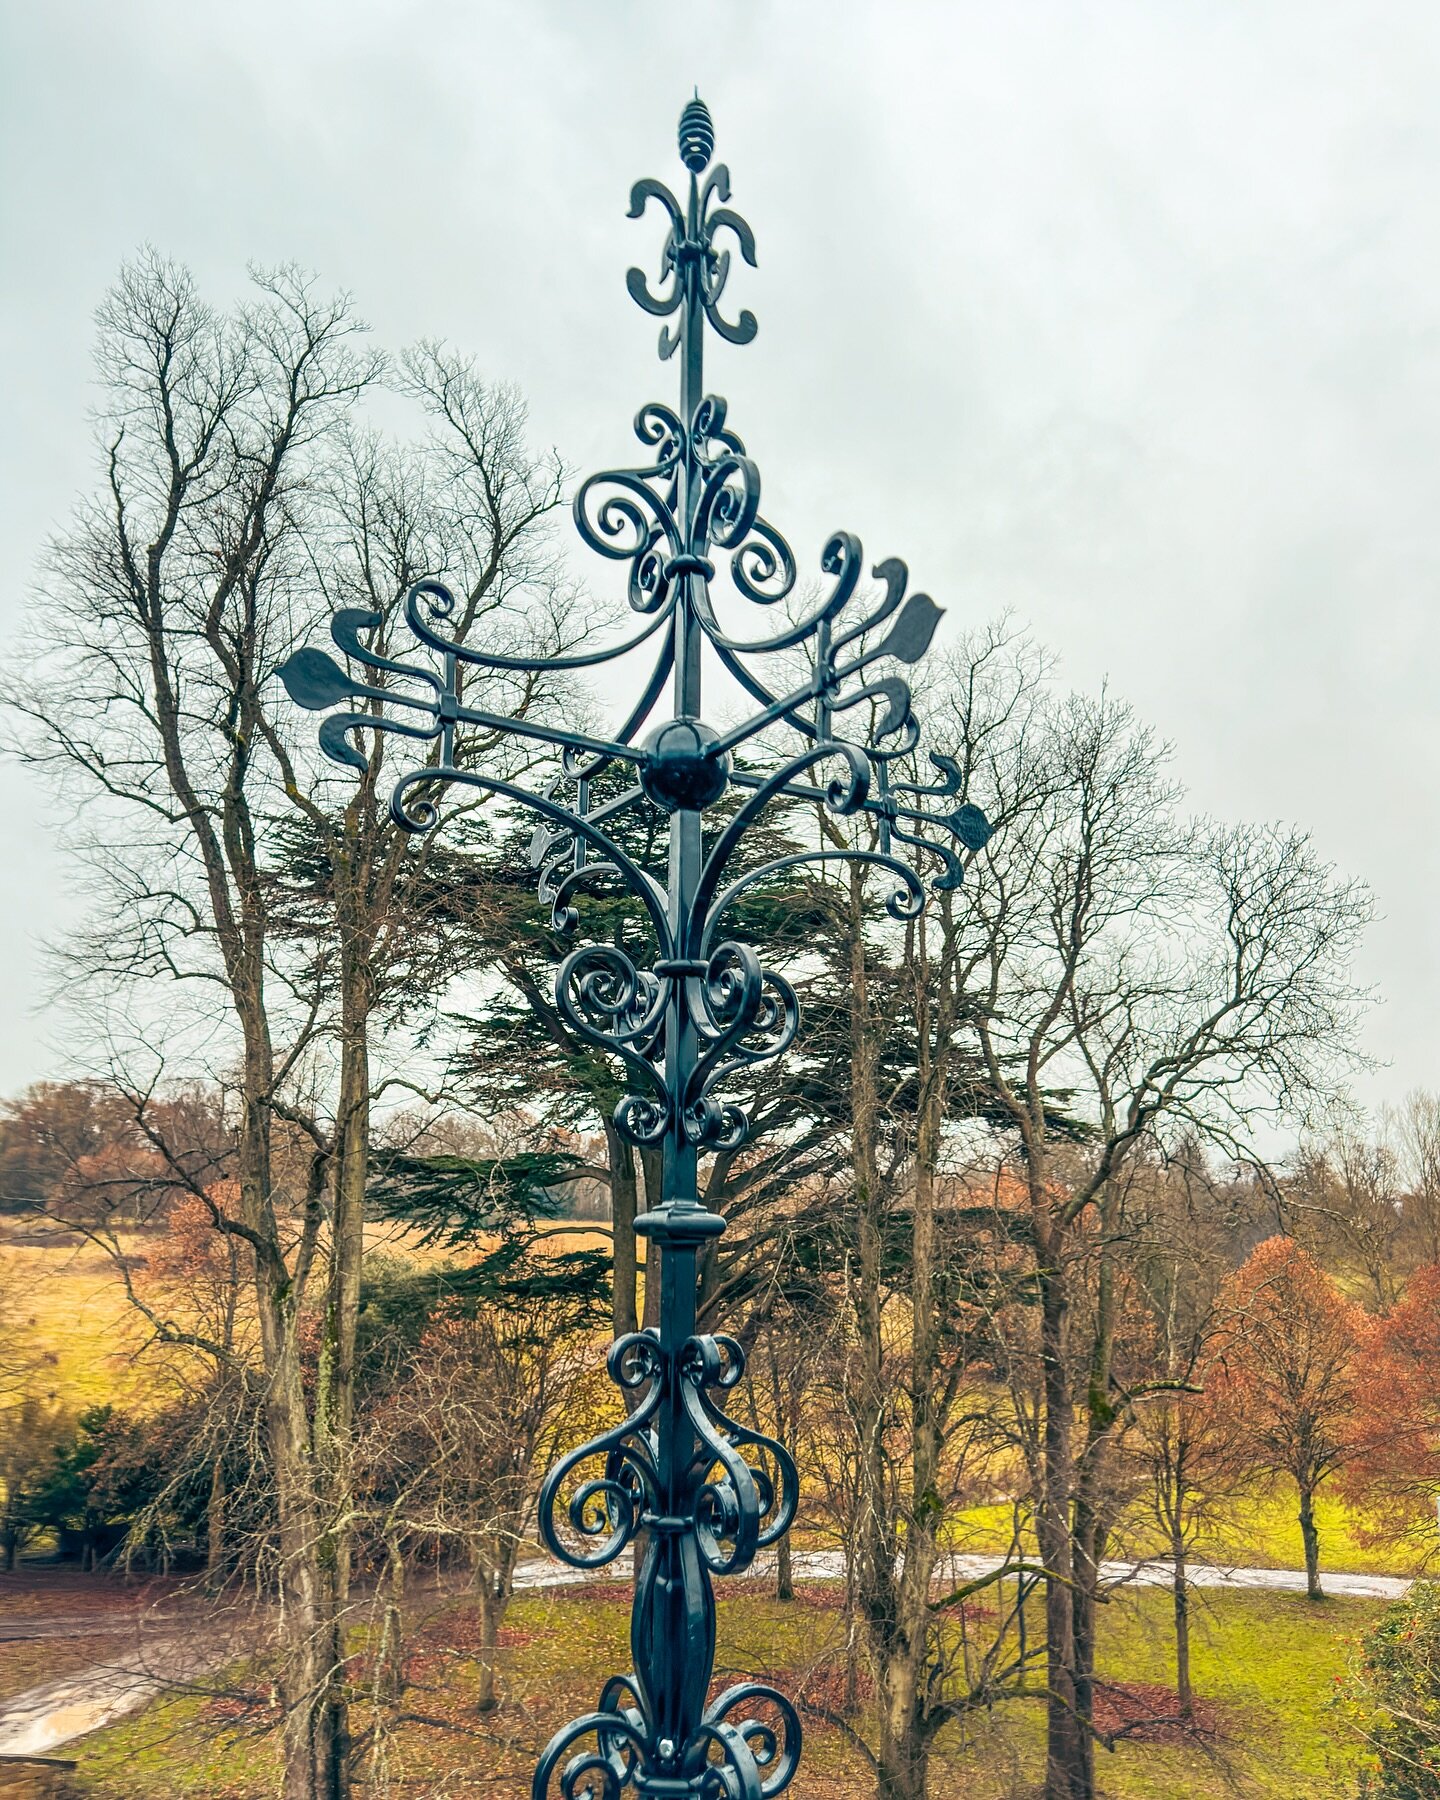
678 772
697 136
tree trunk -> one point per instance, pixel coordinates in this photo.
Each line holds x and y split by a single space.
650 1168
784 1563
1068 1774
1089 1528
1182 1627
311 1769
336 1422
334 1404
313 1763
1088 1541
390 1658
1311 1539
784 1570
872 1549
486 1698
894 1555
215 1525
902 1758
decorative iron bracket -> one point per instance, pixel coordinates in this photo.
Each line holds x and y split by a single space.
702 1493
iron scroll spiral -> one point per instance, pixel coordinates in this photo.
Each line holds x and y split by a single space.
612 1505
746 1744
735 1513
752 1757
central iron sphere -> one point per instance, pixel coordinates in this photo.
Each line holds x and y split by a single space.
678 773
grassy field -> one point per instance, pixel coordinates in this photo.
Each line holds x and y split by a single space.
75 1311
1263 1532
70 1304
1260 1531
1265 1667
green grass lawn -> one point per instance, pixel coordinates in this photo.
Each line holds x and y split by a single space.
1263 1532
1260 1530
1265 1666
1270 1663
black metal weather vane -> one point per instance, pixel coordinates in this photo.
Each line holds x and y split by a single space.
677 1468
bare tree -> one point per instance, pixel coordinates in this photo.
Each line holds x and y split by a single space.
1346 1197
1152 975
1415 1125
1184 1447
177 584
241 501
918 1273
484 1407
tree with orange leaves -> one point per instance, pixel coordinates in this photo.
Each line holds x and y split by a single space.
1284 1373
1395 1473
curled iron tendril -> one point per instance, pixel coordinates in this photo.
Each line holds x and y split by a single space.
739 1507
744 1015
746 1743
744 1510
746 1747
610 1507
692 242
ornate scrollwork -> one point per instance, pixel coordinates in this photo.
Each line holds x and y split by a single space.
760 1754
696 1492
621 515
692 240
733 1508
752 1757
744 1510
732 1515
622 1749
611 1004
611 1506
746 1014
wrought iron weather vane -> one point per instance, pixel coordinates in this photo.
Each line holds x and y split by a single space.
696 1484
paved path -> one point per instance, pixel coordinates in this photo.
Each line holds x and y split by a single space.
829 1565
44 1718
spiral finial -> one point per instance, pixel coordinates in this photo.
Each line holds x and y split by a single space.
697 136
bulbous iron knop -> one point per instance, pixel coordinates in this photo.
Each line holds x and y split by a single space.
697 136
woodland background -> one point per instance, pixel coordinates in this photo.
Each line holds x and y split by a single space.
1062 1244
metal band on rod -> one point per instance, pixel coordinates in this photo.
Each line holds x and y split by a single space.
703 1492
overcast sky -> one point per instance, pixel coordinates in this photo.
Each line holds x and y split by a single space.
1122 317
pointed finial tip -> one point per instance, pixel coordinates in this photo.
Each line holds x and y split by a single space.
697 135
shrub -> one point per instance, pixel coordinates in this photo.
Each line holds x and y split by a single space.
1393 1697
